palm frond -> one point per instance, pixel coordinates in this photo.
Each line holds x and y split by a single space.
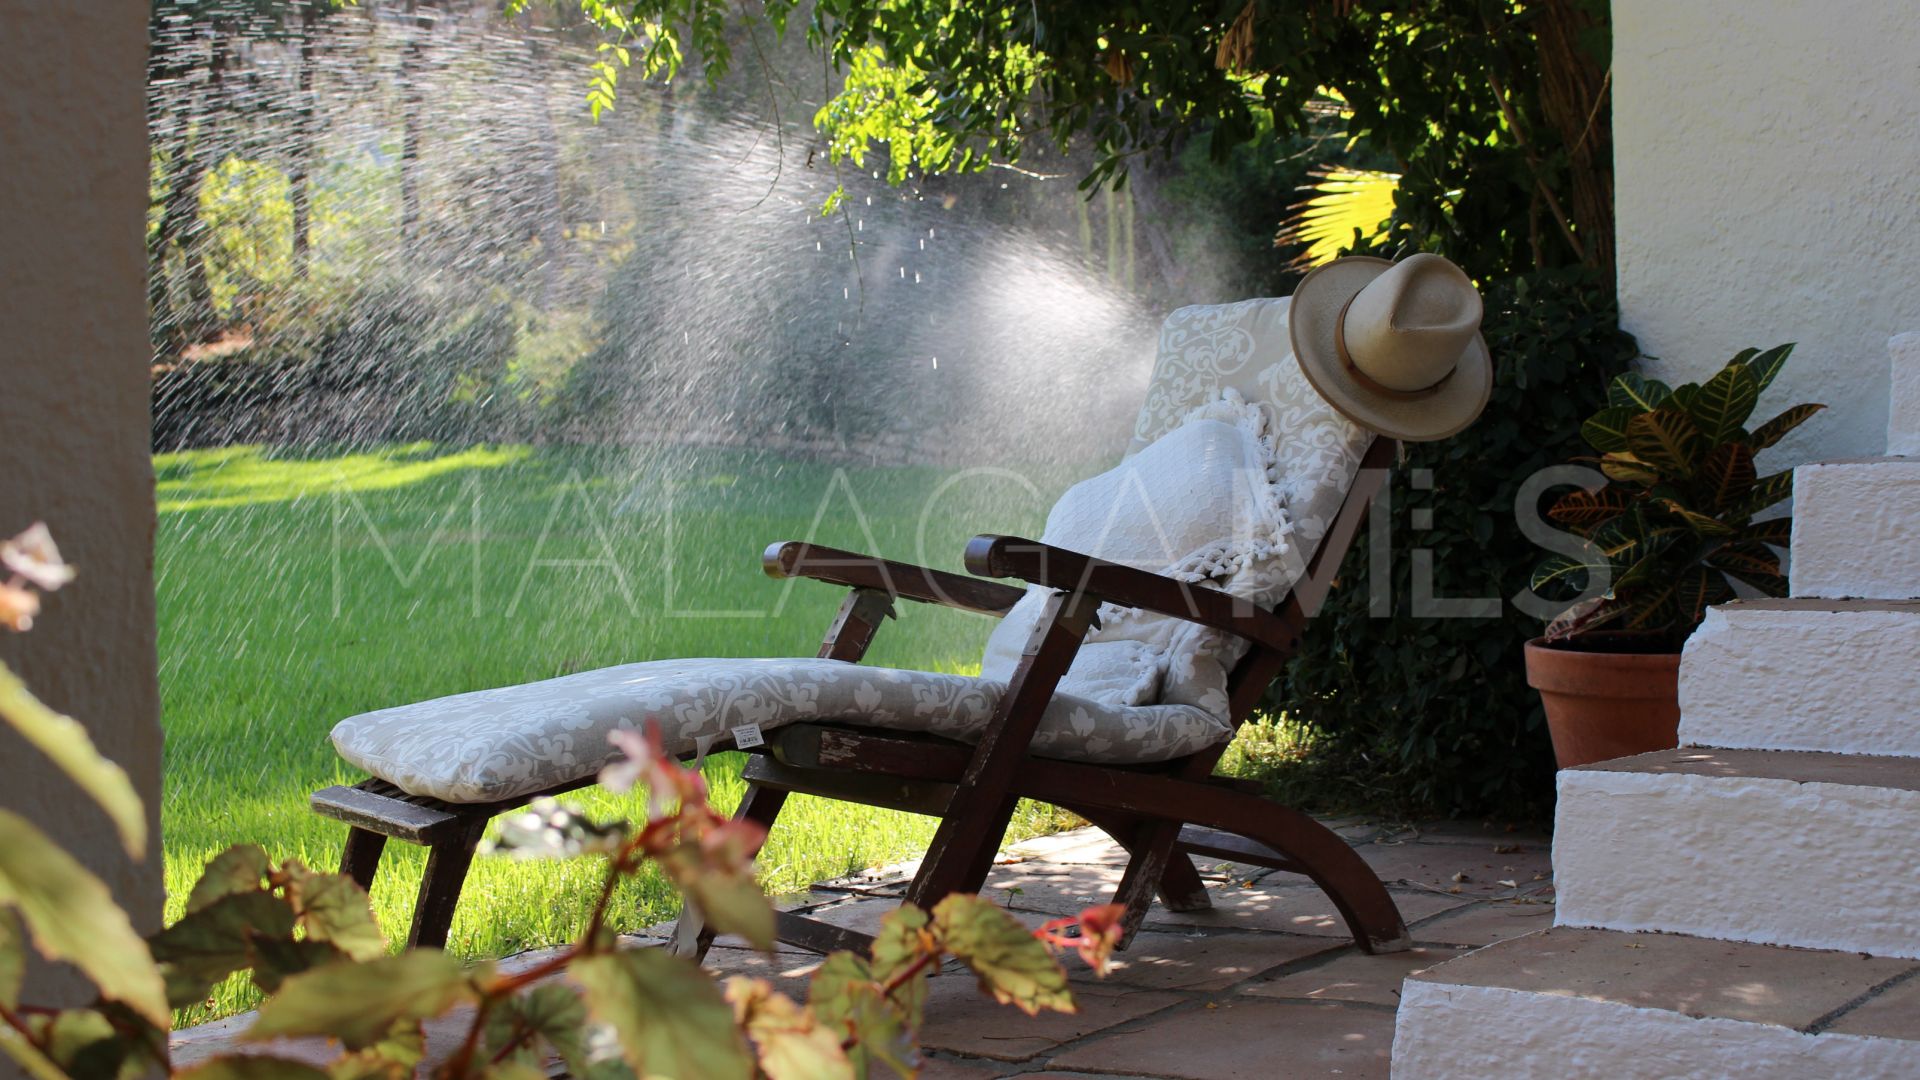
1344 200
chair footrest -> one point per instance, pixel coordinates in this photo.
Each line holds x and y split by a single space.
1196 840
379 807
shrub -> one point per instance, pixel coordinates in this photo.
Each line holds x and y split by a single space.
1434 714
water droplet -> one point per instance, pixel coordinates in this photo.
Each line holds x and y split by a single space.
936 363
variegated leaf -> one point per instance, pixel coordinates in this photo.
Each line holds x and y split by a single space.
1586 509
1725 476
1776 429
1627 468
1775 531
1667 440
1635 391
1704 524
1765 492
1606 431
1763 366
1721 406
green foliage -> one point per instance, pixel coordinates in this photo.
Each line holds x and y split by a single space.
1672 530
1454 93
1429 714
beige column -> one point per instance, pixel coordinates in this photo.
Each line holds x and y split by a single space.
74 405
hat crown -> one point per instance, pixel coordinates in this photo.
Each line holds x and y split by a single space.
1407 329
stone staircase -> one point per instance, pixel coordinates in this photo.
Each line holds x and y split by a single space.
1749 904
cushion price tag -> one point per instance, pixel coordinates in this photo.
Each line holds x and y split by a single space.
747 736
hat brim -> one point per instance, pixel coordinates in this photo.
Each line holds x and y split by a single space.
1311 319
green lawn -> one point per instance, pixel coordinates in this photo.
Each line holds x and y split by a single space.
299 589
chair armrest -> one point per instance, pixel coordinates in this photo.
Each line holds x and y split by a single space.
793 558
1116 583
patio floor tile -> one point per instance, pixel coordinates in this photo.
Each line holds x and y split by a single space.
1245 1039
1161 961
1354 976
962 1019
1485 924
1482 873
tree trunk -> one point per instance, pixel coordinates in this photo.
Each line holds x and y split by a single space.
1575 88
410 108
300 175
549 214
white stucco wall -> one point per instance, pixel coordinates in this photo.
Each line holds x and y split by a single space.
1768 168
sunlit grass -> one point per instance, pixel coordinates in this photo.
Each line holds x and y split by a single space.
297 590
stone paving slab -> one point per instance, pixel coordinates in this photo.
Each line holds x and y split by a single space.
1483 924
1700 977
1266 984
1248 1040
1354 976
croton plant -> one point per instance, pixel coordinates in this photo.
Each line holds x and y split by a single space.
1673 528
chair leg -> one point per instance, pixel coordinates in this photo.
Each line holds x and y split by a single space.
961 865
692 934
1152 866
362 856
447 864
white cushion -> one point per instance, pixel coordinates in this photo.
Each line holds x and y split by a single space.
1197 505
492 745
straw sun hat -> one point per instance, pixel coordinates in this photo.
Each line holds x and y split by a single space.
1395 347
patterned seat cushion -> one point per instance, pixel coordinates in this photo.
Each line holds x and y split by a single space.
1145 688
497 744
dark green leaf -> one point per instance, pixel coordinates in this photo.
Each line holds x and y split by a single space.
671 1019
1764 366
553 1013
1564 570
1606 431
1012 964
359 1003
1635 391
274 959
71 916
1754 563
845 994
1666 439
1698 590
1765 492
216 941
905 936
334 908
1724 402
1725 478
1775 531
1776 429
240 868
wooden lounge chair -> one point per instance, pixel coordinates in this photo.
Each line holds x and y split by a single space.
1163 811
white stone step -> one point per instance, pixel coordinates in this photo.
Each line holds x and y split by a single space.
1838 676
1903 411
1854 527
1815 850
1596 1003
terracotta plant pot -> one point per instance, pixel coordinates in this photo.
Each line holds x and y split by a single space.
1605 703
